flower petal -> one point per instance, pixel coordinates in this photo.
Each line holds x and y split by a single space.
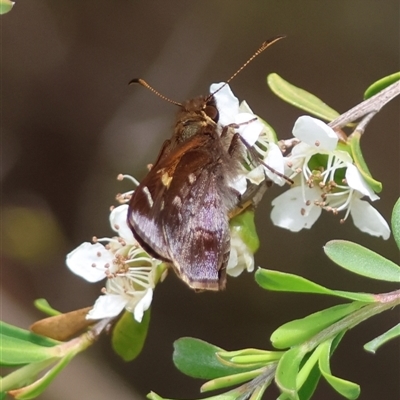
227 103
256 175
367 219
143 305
239 184
233 259
240 257
250 131
276 161
315 133
291 212
90 261
357 182
118 218
106 306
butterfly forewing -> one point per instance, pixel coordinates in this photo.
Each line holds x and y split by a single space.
144 218
195 221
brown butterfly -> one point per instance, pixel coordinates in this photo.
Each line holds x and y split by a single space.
180 211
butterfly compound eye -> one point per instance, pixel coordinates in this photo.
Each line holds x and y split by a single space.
212 112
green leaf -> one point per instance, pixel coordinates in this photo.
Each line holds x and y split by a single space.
128 335
244 225
39 386
25 375
312 376
362 261
6 6
155 396
286 373
22 334
234 394
396 222
20 347
361 164
250 356
16 352
44 306
230 380
299 330
381 84
198 359
347 389
300 98
374 344
283 282
259 392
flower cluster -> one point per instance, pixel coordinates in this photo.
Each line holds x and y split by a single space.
325 179
131 273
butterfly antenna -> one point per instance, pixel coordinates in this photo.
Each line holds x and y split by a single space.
263 47
147 86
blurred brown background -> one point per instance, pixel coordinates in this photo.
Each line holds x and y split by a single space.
70 124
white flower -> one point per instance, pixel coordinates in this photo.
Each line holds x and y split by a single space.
240 257
254 134
325 178
130 272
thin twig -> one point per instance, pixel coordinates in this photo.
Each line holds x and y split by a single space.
372 105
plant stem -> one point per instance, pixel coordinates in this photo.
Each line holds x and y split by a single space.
371 105
384 302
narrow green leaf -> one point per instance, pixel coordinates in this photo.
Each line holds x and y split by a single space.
39 386
283 282
308 364
22 334
381 84
244 225
362 261
128 335
231 395
311 374
155 396
6 6
255 359
361 164
248 352
259 392
230 380
198 359
286 373
374 344
300 98
25 375
16 352
310 370
299 330
347 389
44 306
396 222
